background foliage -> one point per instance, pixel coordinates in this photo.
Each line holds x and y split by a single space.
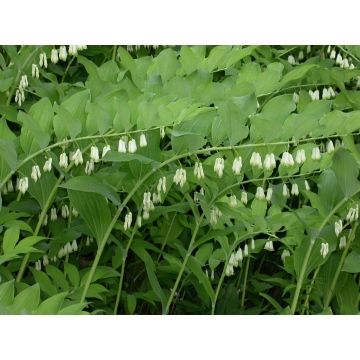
69 244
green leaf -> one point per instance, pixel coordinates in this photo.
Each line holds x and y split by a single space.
154 282
129 63
44 282
74 309
217 57
51 306
5 84
28 242
90 184
73 126
195 267
37 135
203 254
234 118
188 59
11 237
101 272
352 263
73 273
58 277
7 293
273 302
297 73
278 108
348 297
42 112
98 116
131 303
168 64
122 157
266 82
28 300
8 154
94 209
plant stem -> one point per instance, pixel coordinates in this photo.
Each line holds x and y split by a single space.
341 263
245 281
306 303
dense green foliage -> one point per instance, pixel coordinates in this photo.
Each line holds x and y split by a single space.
179 180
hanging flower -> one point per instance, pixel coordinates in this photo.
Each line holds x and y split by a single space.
94 154
285 192
180 177
62 53
219 167
255 160
106 148
63 161
77 157
342 244
324 249
269 246
35 173
65 211
143 142
23 185
338 227
122 147
53 214
89 167
287 159
54 56
330 147
237 165
269 194
233 201
244 197
260 195
315 154
307 186
295 189
47 166
284 255
132 146
198 171
300 157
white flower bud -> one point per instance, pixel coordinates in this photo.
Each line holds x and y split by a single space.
232 261
75 213
296 98
146 215
233 201
287 159
239 255
324 249
23 185
62 53
301 55
162 132
308 49
295 189
342 244
132 146
229 270
338 227
35 173
307 186
47 166
315 154
333 54
260 193
237 165
10 186
219 167
138 221
65 211
122 147
77 157
269 193
45 260
252 244
255 160
339 59
89 167
285 192
45 221
199 171
53 214
246 250
291 60
300 157
325 94
284 255
73 50
74 246
54 56
143 142
331 92
94 154
330 147
63 161
244 199
106 148
269 246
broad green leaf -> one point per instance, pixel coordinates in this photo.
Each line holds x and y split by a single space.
58 277
131 303
101 272
330 193
8 153
195 267
148 116
218 57
273 302
129 63
73 273
168 64
203 254
236 54
266 82
28 300
352 263
278 108
94 209
7 293
42 112
249 73
74 309
5 84
90 184
188 59
30 125
296 74
28 242
154 282
99 116
73 126
44 282
11 237
51 306
348 297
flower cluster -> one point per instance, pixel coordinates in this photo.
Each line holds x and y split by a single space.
89 167
315 154
63 163
89 240
53 214
180 177
94 154
237 165
35 71
260 195
269 162
23 185
295 189
65 211
67 249
77 157
128 220
198 171
219 167
47 165
314 95
20 95
269 246
287 159
338 227
327 94
353 214
43 61
324 249
300 157
255 160
148 205
35 173
215 213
